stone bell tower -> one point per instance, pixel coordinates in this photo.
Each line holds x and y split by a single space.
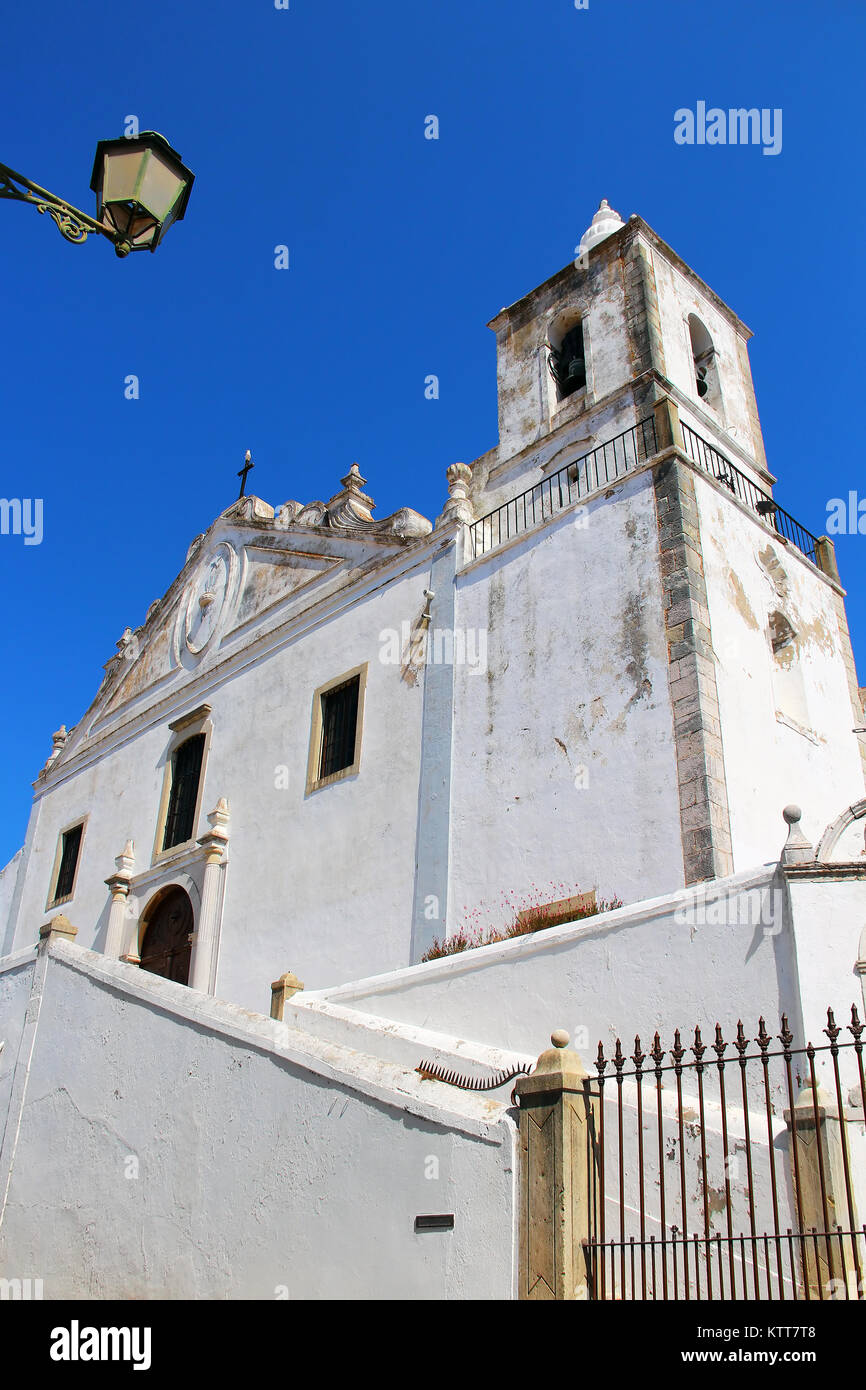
698 665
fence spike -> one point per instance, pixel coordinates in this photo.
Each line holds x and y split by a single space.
763 1039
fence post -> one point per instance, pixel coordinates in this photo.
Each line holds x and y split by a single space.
815 1127
58 929
281 990
557 1175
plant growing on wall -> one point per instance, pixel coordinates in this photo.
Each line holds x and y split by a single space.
531 913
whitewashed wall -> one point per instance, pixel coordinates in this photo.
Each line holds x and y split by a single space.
768 763
577 679
8 883
295 863
267 1165
661 964
16 978
678 297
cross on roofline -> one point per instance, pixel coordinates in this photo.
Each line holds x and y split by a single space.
242 474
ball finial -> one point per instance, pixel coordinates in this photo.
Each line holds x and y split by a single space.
792 814
559 1038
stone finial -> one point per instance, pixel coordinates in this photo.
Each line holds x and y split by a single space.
281 990
124 864
126 859
58 742
458 507
215 840
797 849
604 223
351 507
353 482
59 928
218 818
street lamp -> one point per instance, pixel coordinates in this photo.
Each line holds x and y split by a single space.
141 187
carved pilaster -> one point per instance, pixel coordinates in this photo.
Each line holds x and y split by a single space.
118 884
206 946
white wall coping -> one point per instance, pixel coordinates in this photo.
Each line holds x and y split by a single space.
382 1081
551 938
427 1043
27 956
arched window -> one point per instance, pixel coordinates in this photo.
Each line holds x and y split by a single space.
568 362
183 797
704 359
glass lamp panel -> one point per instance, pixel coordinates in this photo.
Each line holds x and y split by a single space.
142 231
121 173
160 186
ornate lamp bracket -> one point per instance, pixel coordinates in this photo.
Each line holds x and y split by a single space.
72 224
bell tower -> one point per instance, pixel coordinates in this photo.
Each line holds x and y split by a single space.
588 352
662 632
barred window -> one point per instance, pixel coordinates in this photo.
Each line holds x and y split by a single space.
71 847
339 727
185 773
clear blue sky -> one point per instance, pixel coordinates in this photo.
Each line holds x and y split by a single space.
305 127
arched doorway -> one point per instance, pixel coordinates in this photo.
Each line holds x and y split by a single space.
165 946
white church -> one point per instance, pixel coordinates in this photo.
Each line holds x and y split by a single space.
606 668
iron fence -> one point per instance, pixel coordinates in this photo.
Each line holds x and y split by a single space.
610 461
601 465
712 461
731 1170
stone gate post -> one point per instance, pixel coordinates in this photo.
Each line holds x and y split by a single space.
558 1184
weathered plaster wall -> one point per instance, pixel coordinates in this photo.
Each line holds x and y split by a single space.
8 883
660 965
769 763
16 978
295 862
678 297
564 767
528 406
264 1160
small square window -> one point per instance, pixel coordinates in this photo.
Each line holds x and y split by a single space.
335 740
339 727
69 849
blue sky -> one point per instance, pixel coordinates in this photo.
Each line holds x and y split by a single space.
305 127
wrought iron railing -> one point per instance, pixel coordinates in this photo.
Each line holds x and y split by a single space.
601 465
712 461
610 461
710 1182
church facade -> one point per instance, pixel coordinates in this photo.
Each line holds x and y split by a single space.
607 665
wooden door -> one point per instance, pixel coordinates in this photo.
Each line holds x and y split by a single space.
166 949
